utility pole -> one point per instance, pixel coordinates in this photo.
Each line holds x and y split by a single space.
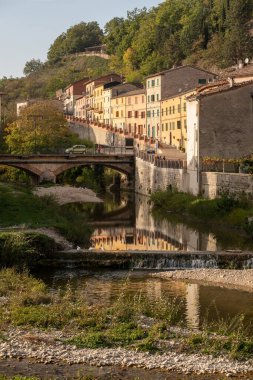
35 118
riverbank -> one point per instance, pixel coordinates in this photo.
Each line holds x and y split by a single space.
68 194
60 328
47 347
237 279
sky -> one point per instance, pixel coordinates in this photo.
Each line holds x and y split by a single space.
29 27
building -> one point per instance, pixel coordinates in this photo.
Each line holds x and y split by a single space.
92 86
219 123
79 108
136 112
71 93
166 84
118 104
174 121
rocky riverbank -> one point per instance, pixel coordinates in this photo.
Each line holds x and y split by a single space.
241 279
68 194
49 348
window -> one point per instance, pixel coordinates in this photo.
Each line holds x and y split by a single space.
158 112
166 111
153 113
129 114
153 83
185 124
166 127
117 113
184 106
157 97
148 113
162 127
162 111
178 108
136 114
202 81
152 98
143 115
178 124
122 114
173 109
170 110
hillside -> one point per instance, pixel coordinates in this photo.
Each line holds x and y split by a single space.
213 34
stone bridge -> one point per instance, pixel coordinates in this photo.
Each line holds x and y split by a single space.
47 166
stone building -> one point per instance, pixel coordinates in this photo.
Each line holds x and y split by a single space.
169 83
219 124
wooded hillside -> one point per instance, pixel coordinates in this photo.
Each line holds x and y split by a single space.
213 34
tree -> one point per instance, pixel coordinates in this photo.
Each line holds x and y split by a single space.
41 127
32 66
76 39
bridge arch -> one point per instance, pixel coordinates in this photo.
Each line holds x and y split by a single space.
47 167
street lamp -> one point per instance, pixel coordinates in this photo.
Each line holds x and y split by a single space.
35 118
1 95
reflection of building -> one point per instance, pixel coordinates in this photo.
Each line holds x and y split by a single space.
193 305
147 233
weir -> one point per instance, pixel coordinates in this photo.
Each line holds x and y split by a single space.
151 260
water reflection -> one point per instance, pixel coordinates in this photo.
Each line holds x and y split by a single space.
131 226
198 303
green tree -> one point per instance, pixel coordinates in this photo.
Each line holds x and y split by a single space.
76 39
32 66
41 127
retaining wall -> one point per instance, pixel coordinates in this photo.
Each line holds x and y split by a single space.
214 184
150 178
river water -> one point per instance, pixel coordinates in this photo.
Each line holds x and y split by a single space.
125 223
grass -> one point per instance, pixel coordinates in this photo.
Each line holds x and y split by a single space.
227 210
134 323
20 207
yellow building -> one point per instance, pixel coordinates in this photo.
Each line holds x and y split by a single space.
118 112
136 112
174 120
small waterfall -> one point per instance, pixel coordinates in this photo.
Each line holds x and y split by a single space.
178 262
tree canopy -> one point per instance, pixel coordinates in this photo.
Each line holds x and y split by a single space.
204 32
40 128
32 66
76 39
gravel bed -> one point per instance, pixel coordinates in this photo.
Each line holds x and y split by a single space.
241 279
48 347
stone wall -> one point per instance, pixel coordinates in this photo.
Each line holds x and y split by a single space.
97 135
150 178
213 184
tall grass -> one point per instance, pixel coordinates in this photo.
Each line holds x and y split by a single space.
131 322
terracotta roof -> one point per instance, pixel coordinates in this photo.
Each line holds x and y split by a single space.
214 88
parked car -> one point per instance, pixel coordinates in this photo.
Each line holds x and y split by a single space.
77 149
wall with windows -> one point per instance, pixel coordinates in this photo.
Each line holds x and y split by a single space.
136 112
153 98
174 121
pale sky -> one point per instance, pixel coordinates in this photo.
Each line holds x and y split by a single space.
29 27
